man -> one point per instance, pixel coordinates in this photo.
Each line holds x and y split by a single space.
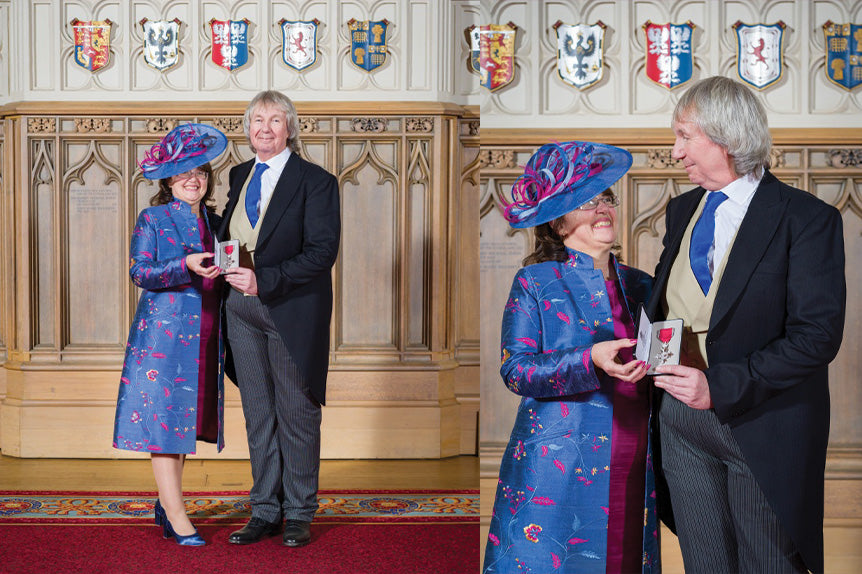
285 213
759 282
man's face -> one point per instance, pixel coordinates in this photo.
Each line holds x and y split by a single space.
707 163
268 131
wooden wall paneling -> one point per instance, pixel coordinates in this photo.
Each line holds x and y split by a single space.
5 220
466 294
93 230
418 215
439 247
371 229
7 275
396 385
43 182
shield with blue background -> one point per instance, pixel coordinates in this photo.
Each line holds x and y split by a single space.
843 54
368 43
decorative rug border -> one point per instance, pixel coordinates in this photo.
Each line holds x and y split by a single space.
227 507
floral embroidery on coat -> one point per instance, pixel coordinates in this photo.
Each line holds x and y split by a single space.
157 402
551 509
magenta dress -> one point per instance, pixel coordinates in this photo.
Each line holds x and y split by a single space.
208 420
628 455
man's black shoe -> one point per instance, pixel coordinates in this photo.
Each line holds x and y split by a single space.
296 533
255 530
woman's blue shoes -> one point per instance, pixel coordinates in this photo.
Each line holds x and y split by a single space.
161 519
159 513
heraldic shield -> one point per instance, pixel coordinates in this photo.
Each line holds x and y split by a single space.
759 53
92 43
230 43
299 49
472 34
843 54
669 58
496 55
580 51
161 43
368 43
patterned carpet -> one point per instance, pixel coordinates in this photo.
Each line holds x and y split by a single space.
354 506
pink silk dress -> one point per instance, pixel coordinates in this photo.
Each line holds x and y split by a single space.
208 371
628 455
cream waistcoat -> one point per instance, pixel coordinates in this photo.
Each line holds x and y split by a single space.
683 298
240 228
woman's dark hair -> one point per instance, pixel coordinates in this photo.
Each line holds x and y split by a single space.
549 244
163 195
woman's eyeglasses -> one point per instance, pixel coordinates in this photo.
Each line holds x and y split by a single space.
198 173
609 200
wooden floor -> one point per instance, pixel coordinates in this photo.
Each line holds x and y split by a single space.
455 473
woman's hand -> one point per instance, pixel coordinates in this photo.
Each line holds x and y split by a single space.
606 357
194 263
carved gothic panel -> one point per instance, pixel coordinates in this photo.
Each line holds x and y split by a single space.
95 241
370 236
43 183
419 172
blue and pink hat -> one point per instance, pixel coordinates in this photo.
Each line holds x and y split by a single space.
560 177
184 148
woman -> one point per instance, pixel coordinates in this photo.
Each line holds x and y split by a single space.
171 389
576 490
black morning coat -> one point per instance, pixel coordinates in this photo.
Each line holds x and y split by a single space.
777 322
296 248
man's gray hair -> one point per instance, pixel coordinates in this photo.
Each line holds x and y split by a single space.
282 102
731 116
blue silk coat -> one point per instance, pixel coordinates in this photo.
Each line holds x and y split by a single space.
551 509
157 404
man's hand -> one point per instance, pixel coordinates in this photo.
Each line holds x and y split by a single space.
242 279
605 357
686 384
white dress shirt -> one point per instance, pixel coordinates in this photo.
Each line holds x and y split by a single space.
728 215
270 177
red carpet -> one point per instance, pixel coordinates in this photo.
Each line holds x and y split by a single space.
354 532
335 549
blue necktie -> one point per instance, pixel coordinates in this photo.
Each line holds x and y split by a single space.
702 238
252 194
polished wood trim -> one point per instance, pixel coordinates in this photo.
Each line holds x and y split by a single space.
210 108
454 473
656 136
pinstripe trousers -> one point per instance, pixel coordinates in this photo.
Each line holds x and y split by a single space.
724 522
282 419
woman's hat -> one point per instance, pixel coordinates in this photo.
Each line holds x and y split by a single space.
184 148
561 177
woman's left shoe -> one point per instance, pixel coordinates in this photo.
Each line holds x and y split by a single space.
159 513
190 540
